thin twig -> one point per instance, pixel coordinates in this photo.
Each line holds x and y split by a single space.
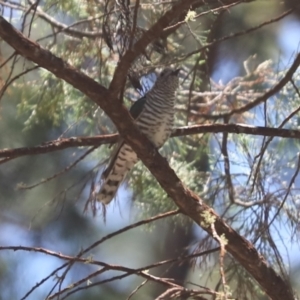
64 170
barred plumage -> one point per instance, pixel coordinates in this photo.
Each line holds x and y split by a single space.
154 115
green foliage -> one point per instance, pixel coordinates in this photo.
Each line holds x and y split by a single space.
151 196
48 99
75 9
47 106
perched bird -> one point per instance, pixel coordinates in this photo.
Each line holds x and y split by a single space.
154 115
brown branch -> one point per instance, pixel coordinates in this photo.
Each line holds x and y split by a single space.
271 92
139 47
266 143
97 243
209 11
140 271
228 177
287 77
217 4
189 203
180 293
83 141
60 144
239 33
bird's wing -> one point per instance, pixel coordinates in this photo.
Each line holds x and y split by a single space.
137 107
135 111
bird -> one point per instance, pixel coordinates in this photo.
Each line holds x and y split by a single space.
154 116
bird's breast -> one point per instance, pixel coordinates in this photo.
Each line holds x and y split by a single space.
157 127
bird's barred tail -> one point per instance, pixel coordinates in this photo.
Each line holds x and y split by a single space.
121 163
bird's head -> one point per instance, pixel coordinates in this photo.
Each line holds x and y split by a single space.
168 78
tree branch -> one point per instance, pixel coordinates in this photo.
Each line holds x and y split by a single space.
239 33
189 203
139 47
83 141
271 92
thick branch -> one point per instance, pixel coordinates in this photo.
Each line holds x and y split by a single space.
82 141
139 47
190 204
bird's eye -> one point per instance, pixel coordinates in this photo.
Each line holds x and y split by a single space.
162 74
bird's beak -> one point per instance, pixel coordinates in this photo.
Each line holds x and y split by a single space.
176 72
